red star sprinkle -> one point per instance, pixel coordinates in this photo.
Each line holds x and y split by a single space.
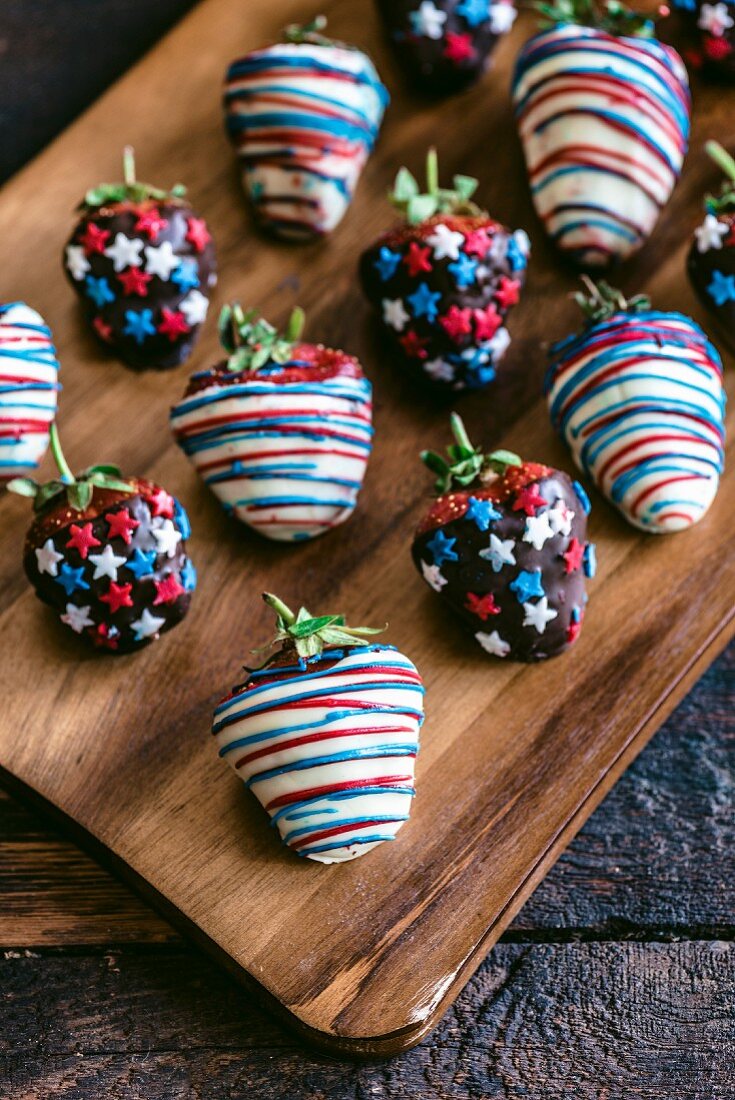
487 322
717 48
94 239
103 636
135 281
161 504
173 324
121 525
168 589
103 330
82 539
573 630
476 243
507 293
574 555
118 596
417 259
197 233
459 48
482 606
529 500
151 223
414 345
457 323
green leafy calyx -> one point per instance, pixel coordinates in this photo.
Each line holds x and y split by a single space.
310 635
466 464
725 201
310 33
602 301
252 342
79 490
417 206
605 15
130 190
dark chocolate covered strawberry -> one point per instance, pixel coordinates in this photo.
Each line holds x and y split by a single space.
444 280
108 554
711 261
444 45
504 544
707 32
143 265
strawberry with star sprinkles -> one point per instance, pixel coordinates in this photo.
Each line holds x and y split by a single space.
505 546
711 260
143 265
108 554
706 30
443 281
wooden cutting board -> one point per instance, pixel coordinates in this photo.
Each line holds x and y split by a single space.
365 957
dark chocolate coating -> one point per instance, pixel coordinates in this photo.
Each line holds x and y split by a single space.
473 574
701 268
157 350
120 635
711 55
432 64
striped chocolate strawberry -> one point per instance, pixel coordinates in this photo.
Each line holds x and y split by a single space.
638 397
325 734
444 281
28 389
303 116
280 430
143 264
711 261
444 45
504 544
603 112
108 555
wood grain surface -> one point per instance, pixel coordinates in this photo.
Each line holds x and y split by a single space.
513 760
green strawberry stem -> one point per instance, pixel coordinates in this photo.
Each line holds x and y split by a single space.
58 455
417 206
310 635
716 204
130 190
467 463
251 341
603 301
299 34
611 16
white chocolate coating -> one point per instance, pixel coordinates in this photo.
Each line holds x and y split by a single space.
28 389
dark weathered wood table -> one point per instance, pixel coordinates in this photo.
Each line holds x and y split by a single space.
617 980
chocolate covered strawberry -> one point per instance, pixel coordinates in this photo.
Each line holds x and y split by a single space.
504 544
326 734
444 280
603 111
444 45
142 262
711 261
29 389
707 28
303 116
280 430
637 395
108 554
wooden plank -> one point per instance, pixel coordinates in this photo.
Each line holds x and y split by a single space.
504 780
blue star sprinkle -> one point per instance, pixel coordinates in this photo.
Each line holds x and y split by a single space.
142 563
423 302
584 500
70 579
527 585
387 262
189 576
186 275
139 324
99 291
463 269
576 614
722 288
589 560
515 256
481 512
182 520
440 548
474 11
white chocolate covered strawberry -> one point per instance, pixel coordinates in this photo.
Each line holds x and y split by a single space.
28 389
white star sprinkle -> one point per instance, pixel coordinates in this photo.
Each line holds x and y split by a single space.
432 576
499 553
439 369
499 344
710 233
147 626
107 563
394 313
560 518
48 558
428 20
77 618
538 614
161 261
538 530
446 242
124 252
502 17
194 307
77 263
715 19
493 643
167 538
